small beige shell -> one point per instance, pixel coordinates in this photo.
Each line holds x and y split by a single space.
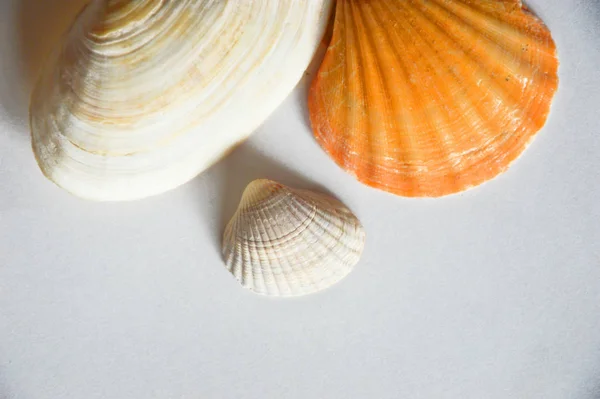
288 242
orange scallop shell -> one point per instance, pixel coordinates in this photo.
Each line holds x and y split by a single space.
430 97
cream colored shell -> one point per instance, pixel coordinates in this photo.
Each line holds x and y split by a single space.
288 242
141 96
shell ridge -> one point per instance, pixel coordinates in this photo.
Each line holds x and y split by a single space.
453 39
320 203
347 143
260 205
316 279
408 12
392 42
257 251
497 36
320 121
303 257
460 124
289 236
131 29
330 215
323 253
464 99
251 277
347 245
340 10
274 261
445 140
285 264
503 139
364 84
329 209
232 246
313 251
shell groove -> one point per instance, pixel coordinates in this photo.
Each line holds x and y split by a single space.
141 96
431 97
288 242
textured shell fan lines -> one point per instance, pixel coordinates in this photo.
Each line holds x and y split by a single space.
420 98
428 98
288 242
142 96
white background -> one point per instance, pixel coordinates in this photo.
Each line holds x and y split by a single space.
493 293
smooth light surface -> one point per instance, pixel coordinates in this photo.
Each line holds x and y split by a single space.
494 293
141 96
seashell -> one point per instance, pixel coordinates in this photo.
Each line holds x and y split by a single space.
141 96
288 242
431 97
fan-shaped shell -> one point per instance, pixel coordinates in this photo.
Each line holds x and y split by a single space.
288 242
143 95
431 97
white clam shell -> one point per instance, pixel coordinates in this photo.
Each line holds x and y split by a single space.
141 96
288 242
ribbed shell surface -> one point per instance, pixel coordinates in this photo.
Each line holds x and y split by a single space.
289 242
431 97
